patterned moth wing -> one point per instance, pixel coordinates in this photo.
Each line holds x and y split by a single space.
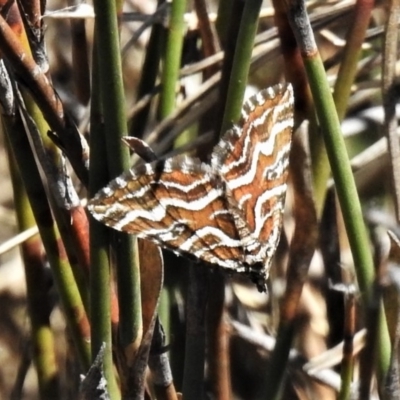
253 159
179 203
227 213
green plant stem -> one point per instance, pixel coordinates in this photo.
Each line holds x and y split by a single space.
100 279
71 230
347 194
241 63
39 302
115 127
229 40
61 268
172 59
343 176
345 78
148 77
100 304
55 245
169 79
341 170
224 14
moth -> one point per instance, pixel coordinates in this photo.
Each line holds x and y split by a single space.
227 212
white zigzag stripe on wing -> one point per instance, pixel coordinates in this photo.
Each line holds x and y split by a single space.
258 217
167 184
281 163
157 213
267 250
243 199
186 188
248 177
168 234
210 230
276 129
135 195
265 148
216 213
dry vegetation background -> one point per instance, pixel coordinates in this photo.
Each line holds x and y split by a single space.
251 319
